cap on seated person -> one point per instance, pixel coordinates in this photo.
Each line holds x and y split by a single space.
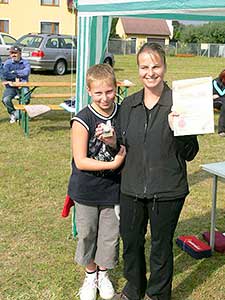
15 48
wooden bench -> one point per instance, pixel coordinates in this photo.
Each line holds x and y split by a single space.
40 96
122 90
51 106
24 118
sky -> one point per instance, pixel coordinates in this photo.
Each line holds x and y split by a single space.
186 22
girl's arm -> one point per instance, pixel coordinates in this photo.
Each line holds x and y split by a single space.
80 149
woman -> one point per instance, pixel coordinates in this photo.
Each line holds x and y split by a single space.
154 179
219 101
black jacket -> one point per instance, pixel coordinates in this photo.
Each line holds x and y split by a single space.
155 164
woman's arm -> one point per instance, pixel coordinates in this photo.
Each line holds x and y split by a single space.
80 149
187 146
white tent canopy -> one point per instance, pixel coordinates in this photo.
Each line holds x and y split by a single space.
94 22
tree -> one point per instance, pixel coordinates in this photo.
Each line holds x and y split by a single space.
113 28
213 32
177 30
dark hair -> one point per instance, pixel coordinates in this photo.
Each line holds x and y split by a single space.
222 76
152 47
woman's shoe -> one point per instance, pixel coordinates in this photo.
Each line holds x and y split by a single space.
120 296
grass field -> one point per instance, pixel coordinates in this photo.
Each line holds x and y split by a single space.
36 247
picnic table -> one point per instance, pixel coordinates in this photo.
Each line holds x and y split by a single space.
122 91
24 118
217 170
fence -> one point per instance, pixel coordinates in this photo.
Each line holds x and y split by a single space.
119 46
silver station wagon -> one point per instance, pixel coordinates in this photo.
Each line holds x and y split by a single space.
49 51
6 41
54 52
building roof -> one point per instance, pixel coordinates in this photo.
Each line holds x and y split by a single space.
145 26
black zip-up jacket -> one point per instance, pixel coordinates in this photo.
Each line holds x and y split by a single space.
155 165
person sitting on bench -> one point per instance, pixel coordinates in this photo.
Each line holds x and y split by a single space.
219 100
14 69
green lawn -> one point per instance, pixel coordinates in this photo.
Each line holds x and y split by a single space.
36 247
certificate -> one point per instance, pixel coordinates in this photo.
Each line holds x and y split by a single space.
193 101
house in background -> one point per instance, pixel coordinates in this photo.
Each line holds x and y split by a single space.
140 31
19 17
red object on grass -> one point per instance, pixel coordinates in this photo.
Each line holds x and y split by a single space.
219 240
193 246
68 203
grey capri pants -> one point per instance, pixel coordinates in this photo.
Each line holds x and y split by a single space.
98 235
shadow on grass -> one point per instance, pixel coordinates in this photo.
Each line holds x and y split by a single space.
51 121
189 273
198 176
49 73
54 128
198 270
118 69
4 120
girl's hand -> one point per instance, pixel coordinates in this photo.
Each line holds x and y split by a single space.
119 158
111 140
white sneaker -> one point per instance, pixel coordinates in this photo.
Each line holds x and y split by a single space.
105 286
89 288
222 134
12 119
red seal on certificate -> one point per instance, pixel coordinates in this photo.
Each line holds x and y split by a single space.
181 123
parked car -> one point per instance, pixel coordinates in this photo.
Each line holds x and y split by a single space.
55 52
109 59
6 41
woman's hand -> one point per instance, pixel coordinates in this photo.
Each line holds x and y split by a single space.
171 118
119 158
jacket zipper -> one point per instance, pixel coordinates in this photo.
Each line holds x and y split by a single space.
154 202
144 154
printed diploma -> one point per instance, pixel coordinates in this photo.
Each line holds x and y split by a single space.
193 101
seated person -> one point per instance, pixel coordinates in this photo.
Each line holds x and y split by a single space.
1 68
14 69
219 100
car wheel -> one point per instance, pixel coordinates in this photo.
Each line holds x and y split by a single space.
108 60
60 67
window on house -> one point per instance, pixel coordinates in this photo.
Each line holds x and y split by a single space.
50 2
49 27
4 1
160 41
4 26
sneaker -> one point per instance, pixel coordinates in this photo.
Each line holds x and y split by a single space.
12 119
105 287
222 134
89 288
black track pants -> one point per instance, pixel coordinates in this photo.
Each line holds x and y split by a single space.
134 216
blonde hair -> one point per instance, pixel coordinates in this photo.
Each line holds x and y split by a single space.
102 72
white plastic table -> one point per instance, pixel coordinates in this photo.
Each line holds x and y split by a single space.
218 170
